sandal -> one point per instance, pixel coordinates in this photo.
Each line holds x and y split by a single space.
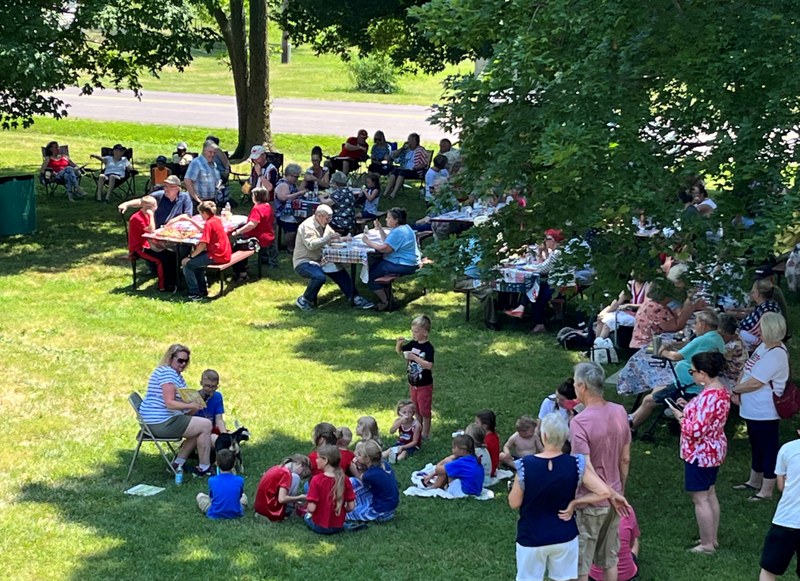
745 486
700 550
757 498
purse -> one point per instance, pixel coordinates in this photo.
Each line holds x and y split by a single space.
788 404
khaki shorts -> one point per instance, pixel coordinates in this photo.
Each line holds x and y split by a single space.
598 530
172 428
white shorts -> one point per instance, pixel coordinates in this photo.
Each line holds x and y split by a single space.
454 488
559 561
618 319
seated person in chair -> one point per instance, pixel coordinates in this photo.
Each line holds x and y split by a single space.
381 155
285 192
707 338
181 159
115 171
262 173
412 161
159 173
355 149
318 176
343 202
63 170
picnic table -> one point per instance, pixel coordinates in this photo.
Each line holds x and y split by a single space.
183 233
465 215
352 252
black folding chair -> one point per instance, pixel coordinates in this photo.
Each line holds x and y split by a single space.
649 434
48 177
127 183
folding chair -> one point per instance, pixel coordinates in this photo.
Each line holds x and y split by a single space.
145 435
420 179
127 184
180 170
274 159
48 177
650 434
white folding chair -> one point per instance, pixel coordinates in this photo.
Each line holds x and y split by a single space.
145 435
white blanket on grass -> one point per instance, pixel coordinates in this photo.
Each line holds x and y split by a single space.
418 489
499 476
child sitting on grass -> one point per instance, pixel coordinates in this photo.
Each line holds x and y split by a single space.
324 433
367 429
276 494
226 497
330 495
343 438
522 443
409 432
460 474
377 495
478 435
488 421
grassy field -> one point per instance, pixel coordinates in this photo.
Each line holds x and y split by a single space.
308 76
75 340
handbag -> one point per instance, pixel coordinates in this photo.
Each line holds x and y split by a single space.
788 404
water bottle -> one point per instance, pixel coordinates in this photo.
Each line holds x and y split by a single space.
316 190
226 211
179 476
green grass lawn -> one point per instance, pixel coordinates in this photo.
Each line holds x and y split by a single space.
307 76
75 340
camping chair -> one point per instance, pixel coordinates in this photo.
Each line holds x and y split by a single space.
48 177
420 179
126 184
650 434
177 169
151 179
273 158
145 435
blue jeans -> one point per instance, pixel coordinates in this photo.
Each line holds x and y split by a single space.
195 274
318 529
384 267
70 178
317 275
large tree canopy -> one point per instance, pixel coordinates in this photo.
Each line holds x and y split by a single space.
49 45
605 106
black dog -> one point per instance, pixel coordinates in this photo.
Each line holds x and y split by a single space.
231 442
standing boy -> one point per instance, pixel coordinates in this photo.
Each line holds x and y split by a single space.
226 497
419 354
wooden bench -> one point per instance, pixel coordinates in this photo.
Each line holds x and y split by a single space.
236 257
387 280
365 221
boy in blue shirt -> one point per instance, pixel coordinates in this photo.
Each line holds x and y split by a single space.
215 408
226 497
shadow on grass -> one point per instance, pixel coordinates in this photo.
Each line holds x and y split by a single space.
166 537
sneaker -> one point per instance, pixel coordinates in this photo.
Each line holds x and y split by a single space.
195 471
362 303
302 303
195 298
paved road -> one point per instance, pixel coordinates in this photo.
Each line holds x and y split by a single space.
288 115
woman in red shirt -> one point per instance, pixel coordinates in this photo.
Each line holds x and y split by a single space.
63 170
213 248
260 225
703 443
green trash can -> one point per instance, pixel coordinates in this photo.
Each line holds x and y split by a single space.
17 205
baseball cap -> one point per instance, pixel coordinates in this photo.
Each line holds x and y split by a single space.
257 151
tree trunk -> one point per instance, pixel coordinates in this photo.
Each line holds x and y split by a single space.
258 129
233 33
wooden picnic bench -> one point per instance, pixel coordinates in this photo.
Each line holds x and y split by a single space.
236 257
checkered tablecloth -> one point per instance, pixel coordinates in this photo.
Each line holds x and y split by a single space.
355 252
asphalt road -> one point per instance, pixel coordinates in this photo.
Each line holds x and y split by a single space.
288 115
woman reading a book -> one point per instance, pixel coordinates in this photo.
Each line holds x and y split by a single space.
169 416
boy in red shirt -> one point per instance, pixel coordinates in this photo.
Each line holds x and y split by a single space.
141 223
213 248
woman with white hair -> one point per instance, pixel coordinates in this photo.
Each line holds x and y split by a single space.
764 374
544 493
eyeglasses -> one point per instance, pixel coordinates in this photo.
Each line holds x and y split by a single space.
182 361
549 238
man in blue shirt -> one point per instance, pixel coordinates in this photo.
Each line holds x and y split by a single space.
171 203
202 178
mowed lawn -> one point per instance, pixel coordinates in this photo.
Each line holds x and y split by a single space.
75 340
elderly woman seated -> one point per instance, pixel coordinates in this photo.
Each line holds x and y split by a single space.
768 298
655 316
400 252
707 338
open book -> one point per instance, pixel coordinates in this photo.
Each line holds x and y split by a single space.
189 395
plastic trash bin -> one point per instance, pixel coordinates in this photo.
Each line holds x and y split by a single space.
17 205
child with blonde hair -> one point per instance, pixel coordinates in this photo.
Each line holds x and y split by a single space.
367 429
377 494
478 435
409 432
522 443
323 433
343 438
418 353
276 494
330 494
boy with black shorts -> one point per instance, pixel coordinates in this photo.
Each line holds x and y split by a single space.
419 356
783 538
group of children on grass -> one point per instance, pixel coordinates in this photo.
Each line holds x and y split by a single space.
347 488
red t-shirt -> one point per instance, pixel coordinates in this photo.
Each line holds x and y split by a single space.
266 502
347 459
137 227
262 215
320 493
58 164
216 240
492 443
357 154
312 457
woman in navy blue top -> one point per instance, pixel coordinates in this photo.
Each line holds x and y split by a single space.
544 492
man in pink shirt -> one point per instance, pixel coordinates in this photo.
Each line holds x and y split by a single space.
601 433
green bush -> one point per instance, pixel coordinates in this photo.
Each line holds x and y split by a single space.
374 74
